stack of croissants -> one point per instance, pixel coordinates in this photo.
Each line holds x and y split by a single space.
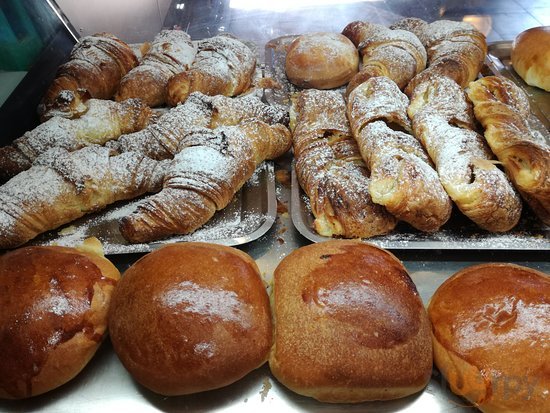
366 158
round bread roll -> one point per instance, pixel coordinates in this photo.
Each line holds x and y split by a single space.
531 56
53 315
349 324
491 337
191 317
321 60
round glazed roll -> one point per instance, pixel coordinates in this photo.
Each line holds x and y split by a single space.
191 317
531 56
349 324
491 337
53 315
321 60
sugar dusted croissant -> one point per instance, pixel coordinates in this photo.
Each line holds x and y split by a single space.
171 52
223 66
503 110
62 186
97 64
103 120
397 54
402 177
330 170
209 168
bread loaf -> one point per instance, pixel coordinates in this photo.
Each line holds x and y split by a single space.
531 56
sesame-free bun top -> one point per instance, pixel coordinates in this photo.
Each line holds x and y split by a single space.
191 317
349 324
491 336
321 60
53 315
531 56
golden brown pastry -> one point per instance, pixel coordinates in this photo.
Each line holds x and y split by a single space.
492 345
102 121
462 158
349 324
223 66
62 186
97 63
53 315
397 54
170 52
531 56
208 169
503 110
330 170
191 317
402 177
321 60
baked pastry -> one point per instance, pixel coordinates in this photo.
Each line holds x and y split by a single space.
321 60
330 169
170 52
492 346
191 317
503 110
223 66
53 315
349 324
209 168
160 140
97 64
397 54
402 177
462 158
62 186
531 56
102 121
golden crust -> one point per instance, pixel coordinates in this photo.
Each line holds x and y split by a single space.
531 56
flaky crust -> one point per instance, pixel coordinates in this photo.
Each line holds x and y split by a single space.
349 324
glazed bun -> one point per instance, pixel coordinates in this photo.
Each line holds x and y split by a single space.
491 337
53 315
321 60
531 56
349 325
191 317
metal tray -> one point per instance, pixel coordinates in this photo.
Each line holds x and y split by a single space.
248 216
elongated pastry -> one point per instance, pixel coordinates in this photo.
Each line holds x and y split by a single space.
462 158
402 176
161 139
171 52
209 168
503 110
397 54
62 186
330 170
103 120
97 63
223 66
455 49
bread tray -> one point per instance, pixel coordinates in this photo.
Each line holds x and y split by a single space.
248 216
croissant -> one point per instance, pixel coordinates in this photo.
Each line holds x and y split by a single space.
462 158
397 54
97 63
503 110
209 168
402 177
330 170
103 120
62 186
223 66
161 139
171 52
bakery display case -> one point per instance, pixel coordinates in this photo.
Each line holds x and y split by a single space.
271 215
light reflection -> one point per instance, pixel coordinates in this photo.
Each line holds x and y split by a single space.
483 23
180 6
283 5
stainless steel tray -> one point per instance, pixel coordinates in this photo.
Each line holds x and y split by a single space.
249 215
